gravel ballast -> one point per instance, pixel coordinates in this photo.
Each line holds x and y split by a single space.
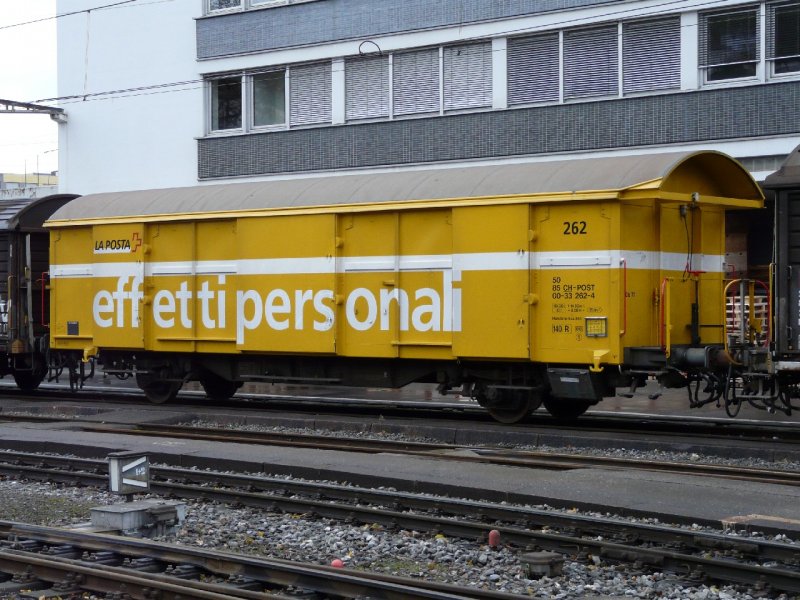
370 547
659 455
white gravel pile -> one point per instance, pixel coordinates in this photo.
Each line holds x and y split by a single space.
370 547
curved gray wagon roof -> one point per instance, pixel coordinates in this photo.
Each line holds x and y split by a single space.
29 214
721 175
788 175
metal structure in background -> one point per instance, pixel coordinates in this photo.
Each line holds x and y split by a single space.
26 108
785 183
765 353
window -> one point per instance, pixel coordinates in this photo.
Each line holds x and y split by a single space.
591 59
367 87
223 4
416 82
468 76
533 72
308 101
598 61
269 99
220 5
729 45
651 55
226 103
783 47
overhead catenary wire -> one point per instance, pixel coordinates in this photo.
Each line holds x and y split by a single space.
67 14
163 87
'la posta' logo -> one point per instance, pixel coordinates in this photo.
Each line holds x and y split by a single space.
118 246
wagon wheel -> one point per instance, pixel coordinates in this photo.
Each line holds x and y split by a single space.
218 388
513 406
733 404
566 409
158 391
28 381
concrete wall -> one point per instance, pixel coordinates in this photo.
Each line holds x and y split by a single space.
137 139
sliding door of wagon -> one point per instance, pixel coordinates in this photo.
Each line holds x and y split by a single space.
578 279
285 284
215 268
369 307
118 285
170 283
395 291
491 281
429 304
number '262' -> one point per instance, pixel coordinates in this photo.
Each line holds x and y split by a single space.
574 227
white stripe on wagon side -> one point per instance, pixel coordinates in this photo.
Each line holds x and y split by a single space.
483 261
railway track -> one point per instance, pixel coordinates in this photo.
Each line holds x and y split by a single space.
771 442
700 427
61 563
696 555
779 437
456 453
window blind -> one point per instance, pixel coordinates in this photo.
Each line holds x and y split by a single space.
591 59
651 55
783 36
310 94
533 69
468 76
416 82
367 87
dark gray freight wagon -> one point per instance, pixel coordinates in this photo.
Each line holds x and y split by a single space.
24 300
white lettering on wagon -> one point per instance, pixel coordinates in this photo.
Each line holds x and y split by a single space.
106 305
423 309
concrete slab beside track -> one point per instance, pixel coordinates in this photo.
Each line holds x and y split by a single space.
680 498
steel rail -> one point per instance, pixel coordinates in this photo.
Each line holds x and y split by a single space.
577 526
74 575
338 582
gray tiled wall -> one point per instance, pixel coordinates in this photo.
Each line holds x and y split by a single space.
334 20
753 111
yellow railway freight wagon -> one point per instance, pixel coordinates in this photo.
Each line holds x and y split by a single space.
552 282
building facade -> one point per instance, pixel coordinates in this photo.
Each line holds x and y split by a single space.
14 186
179 93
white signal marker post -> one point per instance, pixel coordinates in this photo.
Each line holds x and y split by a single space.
128 473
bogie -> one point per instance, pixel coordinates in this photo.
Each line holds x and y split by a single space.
28 381
218 388
514 405
158 391
566 409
